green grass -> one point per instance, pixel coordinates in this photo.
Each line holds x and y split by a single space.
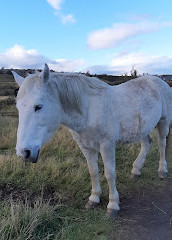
42 221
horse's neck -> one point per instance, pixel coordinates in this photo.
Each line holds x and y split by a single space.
90 102
74 120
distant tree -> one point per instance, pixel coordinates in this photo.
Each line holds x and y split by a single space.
2 70
134 72
87 73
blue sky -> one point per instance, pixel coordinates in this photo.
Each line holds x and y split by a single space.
102 36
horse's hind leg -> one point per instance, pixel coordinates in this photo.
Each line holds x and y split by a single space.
163 130
138 163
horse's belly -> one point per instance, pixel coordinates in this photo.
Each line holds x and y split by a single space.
138 128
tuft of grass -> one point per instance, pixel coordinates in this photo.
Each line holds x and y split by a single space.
8 130
23 221
42 221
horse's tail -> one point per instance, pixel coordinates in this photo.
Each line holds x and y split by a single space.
168 150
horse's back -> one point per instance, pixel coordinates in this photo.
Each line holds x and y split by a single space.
142 84
146 89
140 104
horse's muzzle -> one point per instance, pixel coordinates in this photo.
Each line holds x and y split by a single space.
30 155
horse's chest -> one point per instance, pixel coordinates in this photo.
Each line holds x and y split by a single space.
89 138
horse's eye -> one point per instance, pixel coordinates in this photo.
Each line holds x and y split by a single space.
38 107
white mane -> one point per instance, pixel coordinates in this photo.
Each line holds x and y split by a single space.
71 87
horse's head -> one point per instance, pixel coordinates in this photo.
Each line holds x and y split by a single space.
39 114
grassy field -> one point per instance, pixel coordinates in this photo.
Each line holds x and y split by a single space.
45 201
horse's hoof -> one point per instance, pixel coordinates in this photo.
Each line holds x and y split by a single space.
134 176
91 205
112 213
162 175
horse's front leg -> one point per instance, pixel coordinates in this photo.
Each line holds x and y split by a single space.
92 161
108 154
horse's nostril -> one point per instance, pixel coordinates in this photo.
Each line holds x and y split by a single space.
27 153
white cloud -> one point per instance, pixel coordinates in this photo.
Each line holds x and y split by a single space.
144 63
55 3
19 57
122 63
110 37
68 19
65 65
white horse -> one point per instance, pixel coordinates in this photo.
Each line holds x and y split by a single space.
99 117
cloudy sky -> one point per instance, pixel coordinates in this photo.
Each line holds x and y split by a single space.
100 36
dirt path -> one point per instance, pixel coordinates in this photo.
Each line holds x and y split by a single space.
147 215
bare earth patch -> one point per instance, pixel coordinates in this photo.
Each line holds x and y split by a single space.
147 215
2 98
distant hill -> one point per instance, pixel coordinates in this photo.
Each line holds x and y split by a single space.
8 85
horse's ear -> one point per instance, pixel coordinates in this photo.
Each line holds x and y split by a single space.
46 73
17 78
27 74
